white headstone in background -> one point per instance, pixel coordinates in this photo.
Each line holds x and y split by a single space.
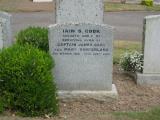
79 11
151 43
5 30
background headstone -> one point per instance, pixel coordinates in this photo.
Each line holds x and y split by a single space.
79 11
151 43
5 30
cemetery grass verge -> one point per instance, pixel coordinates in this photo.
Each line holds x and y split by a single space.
153 114
122 46
113 7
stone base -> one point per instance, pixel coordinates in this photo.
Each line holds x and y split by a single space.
148 79
42 0
96 95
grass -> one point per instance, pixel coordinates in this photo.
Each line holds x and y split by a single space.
121 46
8 5
153 114
24 6
109 7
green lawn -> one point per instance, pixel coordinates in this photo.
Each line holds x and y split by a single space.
153 114
121 46
129 7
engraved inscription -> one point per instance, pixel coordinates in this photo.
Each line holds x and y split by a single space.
81 42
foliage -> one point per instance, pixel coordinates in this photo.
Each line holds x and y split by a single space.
147 2
36 36
108 7
132 62
27 85
121 46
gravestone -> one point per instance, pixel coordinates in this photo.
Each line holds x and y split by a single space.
79 11
5 30
82 50
151 43
84 55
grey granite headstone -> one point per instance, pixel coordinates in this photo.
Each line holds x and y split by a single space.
83 56
81 46
79 11
5 30
151 43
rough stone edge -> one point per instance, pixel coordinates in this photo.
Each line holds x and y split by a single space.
96 95
147 79
76 24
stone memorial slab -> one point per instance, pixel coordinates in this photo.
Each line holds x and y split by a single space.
83 56
151 43
79 11
5 30
81 46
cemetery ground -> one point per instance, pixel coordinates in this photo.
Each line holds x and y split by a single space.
134 103
29 6
131 98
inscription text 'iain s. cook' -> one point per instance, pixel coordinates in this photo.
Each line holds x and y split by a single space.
81 42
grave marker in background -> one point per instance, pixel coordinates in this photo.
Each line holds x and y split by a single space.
151 43
5 30
79 11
